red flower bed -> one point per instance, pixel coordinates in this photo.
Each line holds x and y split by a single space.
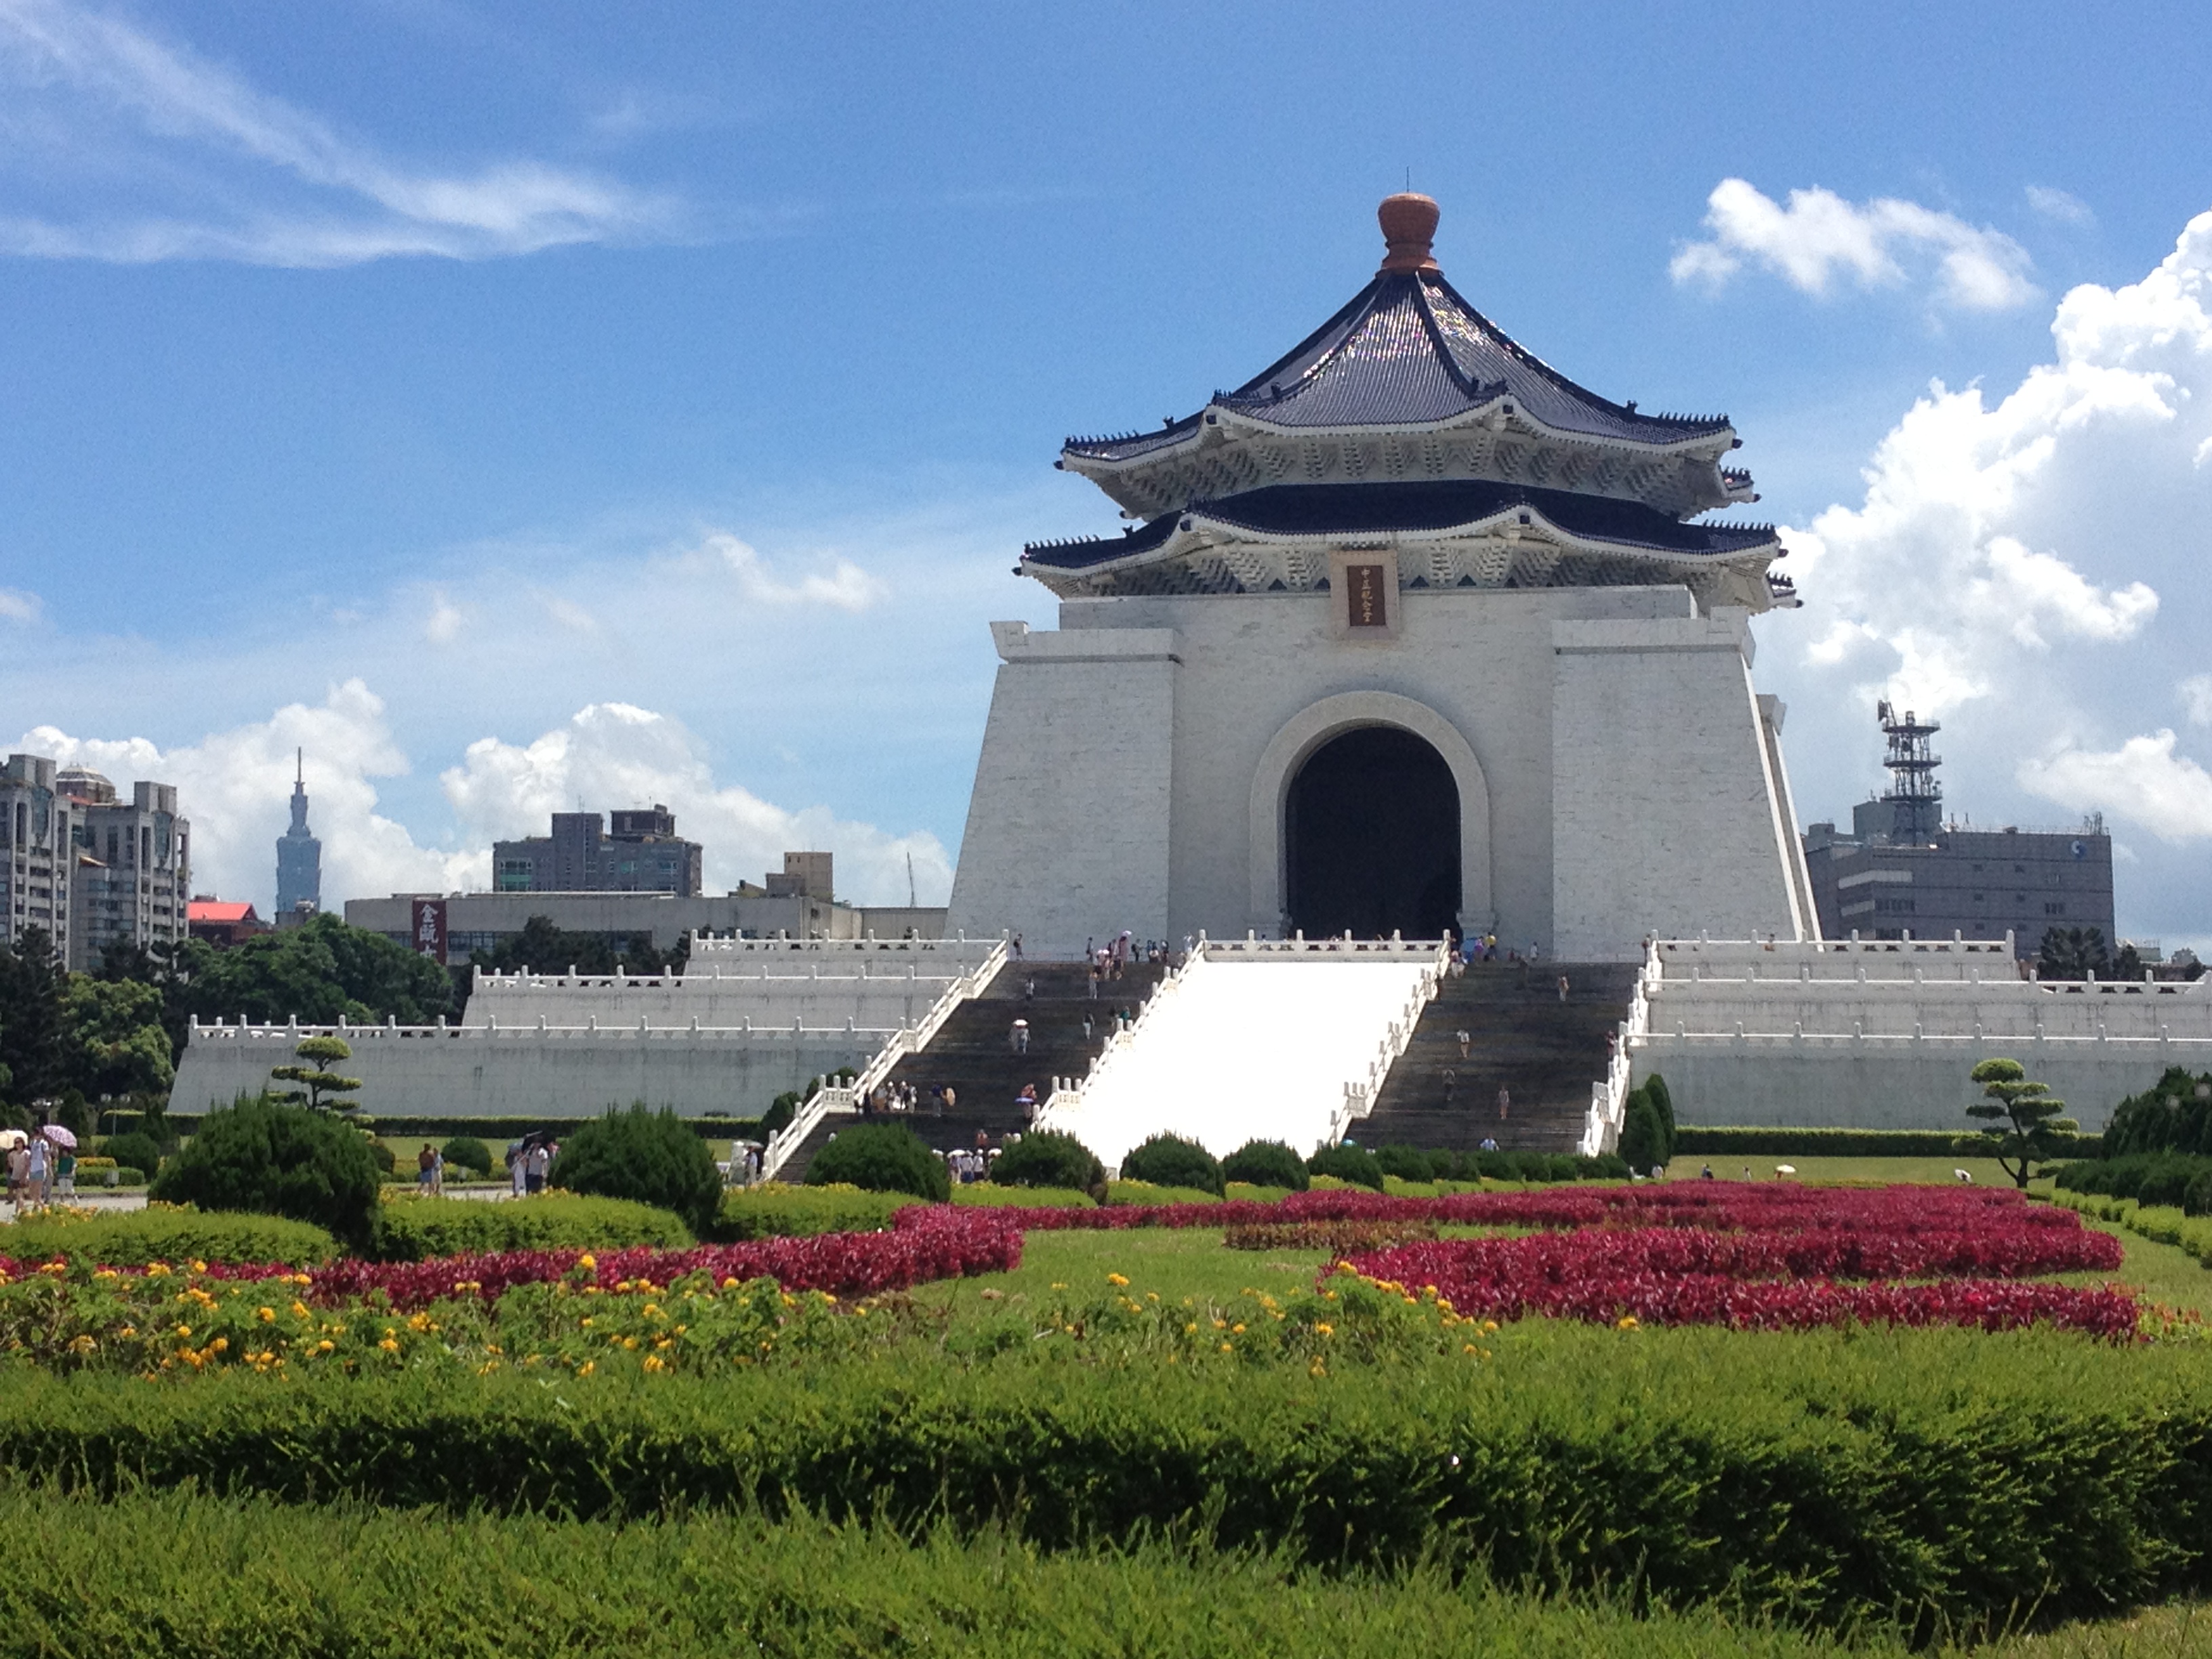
947 1243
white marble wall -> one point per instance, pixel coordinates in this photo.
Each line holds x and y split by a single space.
1123 758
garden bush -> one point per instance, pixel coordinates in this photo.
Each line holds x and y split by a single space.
1265 1163
131 1238
136 1149
1353 1164
2173 1116
417 1228
386 1160
880 1157
774 1210
1046 1159
127 1177
1643 1136
2154 1178
647 1156
1167 1160
264 1156
1245 1191
1412 1163
467 1152
1832 1476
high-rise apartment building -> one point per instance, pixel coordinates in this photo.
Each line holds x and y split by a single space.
131 879
299 856
35 852
641 853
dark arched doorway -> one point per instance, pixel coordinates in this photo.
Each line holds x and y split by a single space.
1371 838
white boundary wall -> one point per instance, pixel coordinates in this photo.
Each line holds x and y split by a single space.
1882 1033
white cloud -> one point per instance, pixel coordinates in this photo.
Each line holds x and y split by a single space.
443 626
17 606
247 176
846 587
2060 206
2028 568
615 754
2143 778
232 786
1820 237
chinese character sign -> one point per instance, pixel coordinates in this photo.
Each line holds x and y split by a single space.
1364 594
430 928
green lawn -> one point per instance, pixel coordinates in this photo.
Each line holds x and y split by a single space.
1732 1167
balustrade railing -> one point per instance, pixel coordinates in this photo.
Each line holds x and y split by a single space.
1609 1097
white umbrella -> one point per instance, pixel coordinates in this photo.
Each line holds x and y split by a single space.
59 1136
1785 1169
11 1138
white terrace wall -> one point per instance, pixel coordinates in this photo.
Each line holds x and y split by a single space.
814 996
553 1073
1882 1034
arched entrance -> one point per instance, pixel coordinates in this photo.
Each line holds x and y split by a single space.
1371 838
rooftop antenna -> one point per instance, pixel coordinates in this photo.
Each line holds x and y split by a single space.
300 761
1915 796
910 903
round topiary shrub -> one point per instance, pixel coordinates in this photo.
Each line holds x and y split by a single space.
1042 1158
386 1159
881 1158
467 1152
649 1156
1411 1163
1353 1164
136 1150
1266 1163
269 1159
1168 1160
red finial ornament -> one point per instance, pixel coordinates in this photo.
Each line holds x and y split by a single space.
1409 226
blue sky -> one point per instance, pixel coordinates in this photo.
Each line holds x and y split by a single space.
521 404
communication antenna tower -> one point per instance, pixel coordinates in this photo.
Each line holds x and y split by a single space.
1915 798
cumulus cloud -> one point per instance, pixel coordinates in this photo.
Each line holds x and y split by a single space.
2143 778
615 754
241 175
845 587
234 786
1819 239
2029 569
17 606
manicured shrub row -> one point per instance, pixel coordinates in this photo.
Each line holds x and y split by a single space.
1411 1164
1339 1238
880 1157
1144 1194
1950 1475
776 1211
131 1238
1692 1140
2161 1223
988 1195
417 1228
2173 1116
2181 1180
302 1580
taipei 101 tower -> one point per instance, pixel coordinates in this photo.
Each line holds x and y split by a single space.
299 857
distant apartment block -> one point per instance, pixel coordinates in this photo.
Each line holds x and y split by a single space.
91 869
36 857
639 853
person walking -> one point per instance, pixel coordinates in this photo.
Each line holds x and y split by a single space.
1563 988
41 1166
65 1174
1017 1037
1017 947
540 1163
1504 1103
426 1166
1466 1042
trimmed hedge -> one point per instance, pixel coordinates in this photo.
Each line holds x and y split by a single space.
1692 1140
298 1580
262 1157
645 1156
1353 1164
1120 1194
1042 1158
988 1195
1168 1160
418 1229
136 1151
1265 1163
131 1238
880 1157
2161 1223
2179 1179
1955 1476
777 1211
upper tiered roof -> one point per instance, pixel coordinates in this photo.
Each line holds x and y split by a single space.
1409 414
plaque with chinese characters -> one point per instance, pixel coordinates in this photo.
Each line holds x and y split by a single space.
1365 589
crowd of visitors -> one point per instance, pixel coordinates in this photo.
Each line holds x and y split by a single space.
41 1167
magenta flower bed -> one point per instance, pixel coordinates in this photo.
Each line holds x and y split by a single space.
947 1243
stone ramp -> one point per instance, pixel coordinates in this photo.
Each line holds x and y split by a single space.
971 1051
1546 1053
1242 1050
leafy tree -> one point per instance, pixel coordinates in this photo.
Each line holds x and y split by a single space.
316 1077
113 1042
2022 1118
542 948
881 1158
2074 953
313 973
1643 1136
31 981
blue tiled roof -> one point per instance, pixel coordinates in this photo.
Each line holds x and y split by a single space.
1409 349
1380 508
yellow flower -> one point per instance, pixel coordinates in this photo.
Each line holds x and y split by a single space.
1238 1328
128 1330
1228 1348
299 1310
219 1346
731 1283
629 1342
199 1266
588 1261
107 1273
588 1322
1625 1322
157 1270
654 1363
266 1315
325 1346
1060 1287
81 1344
587 1368
1117 1279
184 1330
1326 1330
1190 1329
390 1345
